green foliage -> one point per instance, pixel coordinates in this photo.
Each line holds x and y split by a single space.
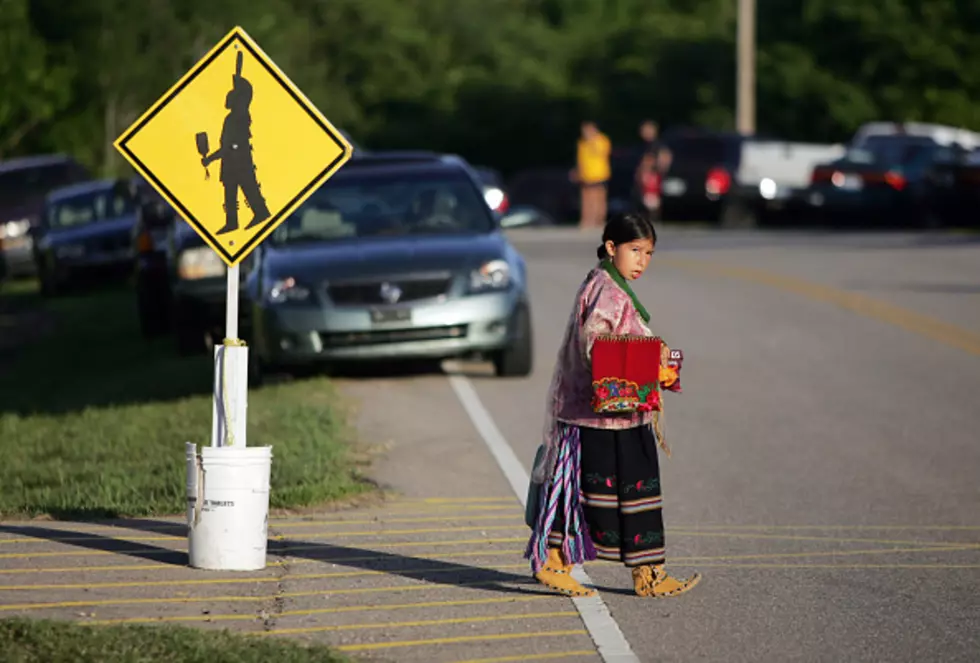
74 446
503 82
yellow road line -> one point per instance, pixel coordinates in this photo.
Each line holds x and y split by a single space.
251 579
456 500
319 534
290 562
922 325
244 598
417 587
502 553
830 527
833 553
828 539
233 616
532 657
413 624
802 565
313 536
280 553
289 549
88 528
459 640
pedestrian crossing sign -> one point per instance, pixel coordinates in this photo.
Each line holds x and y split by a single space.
234 146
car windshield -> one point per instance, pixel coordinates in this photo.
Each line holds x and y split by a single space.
88 208
17 184
891 150
698 149
351 207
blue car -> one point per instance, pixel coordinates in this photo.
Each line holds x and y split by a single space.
85 231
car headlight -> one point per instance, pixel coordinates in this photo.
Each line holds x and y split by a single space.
494 197
494 275
287 290
200 262
14 229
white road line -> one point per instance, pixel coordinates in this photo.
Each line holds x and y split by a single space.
605 632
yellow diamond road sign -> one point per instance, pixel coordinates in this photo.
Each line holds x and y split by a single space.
234 146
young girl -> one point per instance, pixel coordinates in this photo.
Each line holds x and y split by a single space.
599 476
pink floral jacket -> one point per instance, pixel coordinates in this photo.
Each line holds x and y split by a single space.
601 307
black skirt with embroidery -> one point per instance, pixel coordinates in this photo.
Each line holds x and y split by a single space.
621 500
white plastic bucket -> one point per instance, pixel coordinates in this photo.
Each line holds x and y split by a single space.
228 507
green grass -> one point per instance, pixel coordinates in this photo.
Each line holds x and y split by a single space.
93 418
43 641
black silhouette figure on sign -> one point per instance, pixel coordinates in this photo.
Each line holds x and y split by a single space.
235 152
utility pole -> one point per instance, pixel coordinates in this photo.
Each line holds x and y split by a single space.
745 90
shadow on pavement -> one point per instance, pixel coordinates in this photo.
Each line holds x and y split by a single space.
100 542
414 568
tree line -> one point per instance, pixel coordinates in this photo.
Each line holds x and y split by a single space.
503 82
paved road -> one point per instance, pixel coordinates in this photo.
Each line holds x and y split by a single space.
824 480
827 445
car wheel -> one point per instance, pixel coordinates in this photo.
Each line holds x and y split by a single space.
49 281
190 335
517 360
152 312
738 215
257 370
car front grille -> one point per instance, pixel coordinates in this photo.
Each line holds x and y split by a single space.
381 337
391 291
109 244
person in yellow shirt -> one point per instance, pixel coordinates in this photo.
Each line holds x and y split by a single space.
592 174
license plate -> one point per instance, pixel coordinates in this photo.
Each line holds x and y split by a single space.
387 316
674 186
851 183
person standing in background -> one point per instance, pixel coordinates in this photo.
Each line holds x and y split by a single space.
650 135
654 161
592 174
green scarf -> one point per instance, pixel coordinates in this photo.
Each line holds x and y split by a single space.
622 283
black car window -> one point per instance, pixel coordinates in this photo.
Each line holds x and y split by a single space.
373 206
88 208
35 180
892 150
700 149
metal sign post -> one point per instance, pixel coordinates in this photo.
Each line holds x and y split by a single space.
273 149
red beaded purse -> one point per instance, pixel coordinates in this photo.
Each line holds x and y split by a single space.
629 373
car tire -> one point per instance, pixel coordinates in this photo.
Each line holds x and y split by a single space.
737 215
517 360
152 311
257 370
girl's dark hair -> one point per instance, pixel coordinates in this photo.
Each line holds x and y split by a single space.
626 227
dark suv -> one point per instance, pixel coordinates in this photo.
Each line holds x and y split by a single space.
24 183
702 174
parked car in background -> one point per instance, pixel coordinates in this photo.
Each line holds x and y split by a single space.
952 189
698 183
198 291
392 258
197 279
493 189
738 180
941 133
882 181
85 231
152 234
24 183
